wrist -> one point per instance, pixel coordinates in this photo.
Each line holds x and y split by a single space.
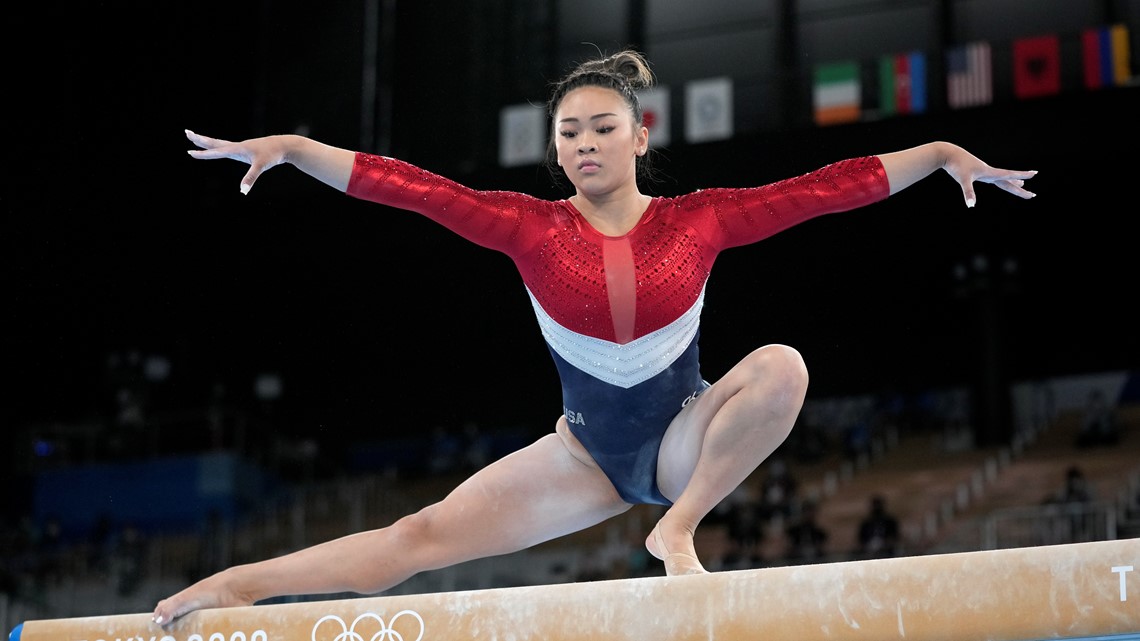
291 145
241 582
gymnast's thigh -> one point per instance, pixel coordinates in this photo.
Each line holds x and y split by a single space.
532 495
684 439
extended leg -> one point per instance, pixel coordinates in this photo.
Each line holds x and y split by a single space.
533 495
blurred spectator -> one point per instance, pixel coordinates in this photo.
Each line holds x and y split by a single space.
1076 488
127 564
1098 425
809 441
745 526
1070 511
878 535
806 539
777 492
857 439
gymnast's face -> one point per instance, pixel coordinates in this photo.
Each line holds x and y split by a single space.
597 140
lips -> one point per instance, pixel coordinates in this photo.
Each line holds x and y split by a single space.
587 164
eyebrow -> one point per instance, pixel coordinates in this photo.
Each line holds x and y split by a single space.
595 117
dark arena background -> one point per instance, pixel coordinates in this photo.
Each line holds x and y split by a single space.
197 377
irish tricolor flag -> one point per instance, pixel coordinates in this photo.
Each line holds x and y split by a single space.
836 93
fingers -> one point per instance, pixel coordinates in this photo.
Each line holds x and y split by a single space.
1020 175
249 178
1015 187
168 610
1010 181
163 615
213 148
205 142
1013 182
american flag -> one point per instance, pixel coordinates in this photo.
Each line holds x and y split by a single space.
969 77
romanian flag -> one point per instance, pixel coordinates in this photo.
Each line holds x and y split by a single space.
1106 56
902 84
969 75
837 93
1036 66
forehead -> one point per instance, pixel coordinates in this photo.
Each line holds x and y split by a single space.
585 102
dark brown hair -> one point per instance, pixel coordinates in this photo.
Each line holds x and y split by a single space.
625 72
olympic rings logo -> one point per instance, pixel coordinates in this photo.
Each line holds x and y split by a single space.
386 632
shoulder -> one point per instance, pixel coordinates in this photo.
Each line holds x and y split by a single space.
698 199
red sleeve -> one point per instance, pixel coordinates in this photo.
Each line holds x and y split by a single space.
736 217
501 220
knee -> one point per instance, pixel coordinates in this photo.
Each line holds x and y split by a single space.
416 530
781 370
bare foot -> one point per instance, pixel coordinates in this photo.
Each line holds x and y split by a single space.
676 563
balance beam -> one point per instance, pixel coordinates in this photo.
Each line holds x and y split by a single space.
1050 592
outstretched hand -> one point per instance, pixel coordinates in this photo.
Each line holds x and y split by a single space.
906 167
259 153
967 169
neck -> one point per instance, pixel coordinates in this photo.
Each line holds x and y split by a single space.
612 214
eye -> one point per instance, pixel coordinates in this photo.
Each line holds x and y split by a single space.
605 129
568 134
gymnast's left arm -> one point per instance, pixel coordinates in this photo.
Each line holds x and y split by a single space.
906 167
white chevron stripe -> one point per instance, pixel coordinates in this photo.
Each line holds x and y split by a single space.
622 365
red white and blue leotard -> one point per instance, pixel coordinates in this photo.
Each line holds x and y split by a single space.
621 315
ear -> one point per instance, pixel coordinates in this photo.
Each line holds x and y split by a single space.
642 141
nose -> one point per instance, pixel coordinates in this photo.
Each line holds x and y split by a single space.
587 147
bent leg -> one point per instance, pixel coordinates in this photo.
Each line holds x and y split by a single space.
532 495
720 438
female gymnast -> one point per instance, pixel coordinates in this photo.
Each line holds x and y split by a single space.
616 279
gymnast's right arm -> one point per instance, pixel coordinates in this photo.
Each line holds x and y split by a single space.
330 165
497 220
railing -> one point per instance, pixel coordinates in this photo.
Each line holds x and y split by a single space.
1049 524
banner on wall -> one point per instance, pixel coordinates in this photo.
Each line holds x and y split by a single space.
522 135
708 110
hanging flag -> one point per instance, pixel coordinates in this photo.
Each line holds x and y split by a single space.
836 93
902 84
1036 66
522 135
969 75
708 110
655 115
1107 58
